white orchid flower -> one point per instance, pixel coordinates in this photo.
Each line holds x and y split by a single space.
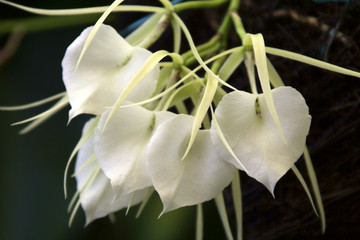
106 68
121 147
96 194
199 177
249 130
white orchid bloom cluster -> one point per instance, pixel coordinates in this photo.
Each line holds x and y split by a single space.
161 127
138 148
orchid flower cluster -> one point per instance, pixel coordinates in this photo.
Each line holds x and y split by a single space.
159 126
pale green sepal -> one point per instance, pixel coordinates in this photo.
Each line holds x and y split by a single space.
162 94
177 36
261 65
96 28
185 70
230 65
194 50
191 73
130 203
250 69
36 123
146 199
85 136
163 78
182 93
59 105
274 76
141 32
156 33
98 199
220 55
311 61
91 159
199 222
198 57
215 124
220 204
204 105
306 188
82 186
148 66
39 119
315 187
218 95
94 173
236 194
34 104
181 108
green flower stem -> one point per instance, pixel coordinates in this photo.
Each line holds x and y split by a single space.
181 108
239 27
216 42
198 4
219 95
204 53
156 33
214 68
213 41
219 40
220 204
34 24
176 35
315 187
185 71
174 76
236 193
224 27
250 69
167 4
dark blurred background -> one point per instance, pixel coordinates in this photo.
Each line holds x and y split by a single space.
32 204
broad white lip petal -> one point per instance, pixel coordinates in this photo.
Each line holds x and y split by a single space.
121 148
97 200
106 68
253 136
201 176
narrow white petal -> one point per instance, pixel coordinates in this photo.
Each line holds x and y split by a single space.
106 68
121 148
199 177
97 198
252 134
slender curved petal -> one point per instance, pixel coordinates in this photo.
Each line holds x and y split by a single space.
250 131
201 176
107 67
121 148
96 195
